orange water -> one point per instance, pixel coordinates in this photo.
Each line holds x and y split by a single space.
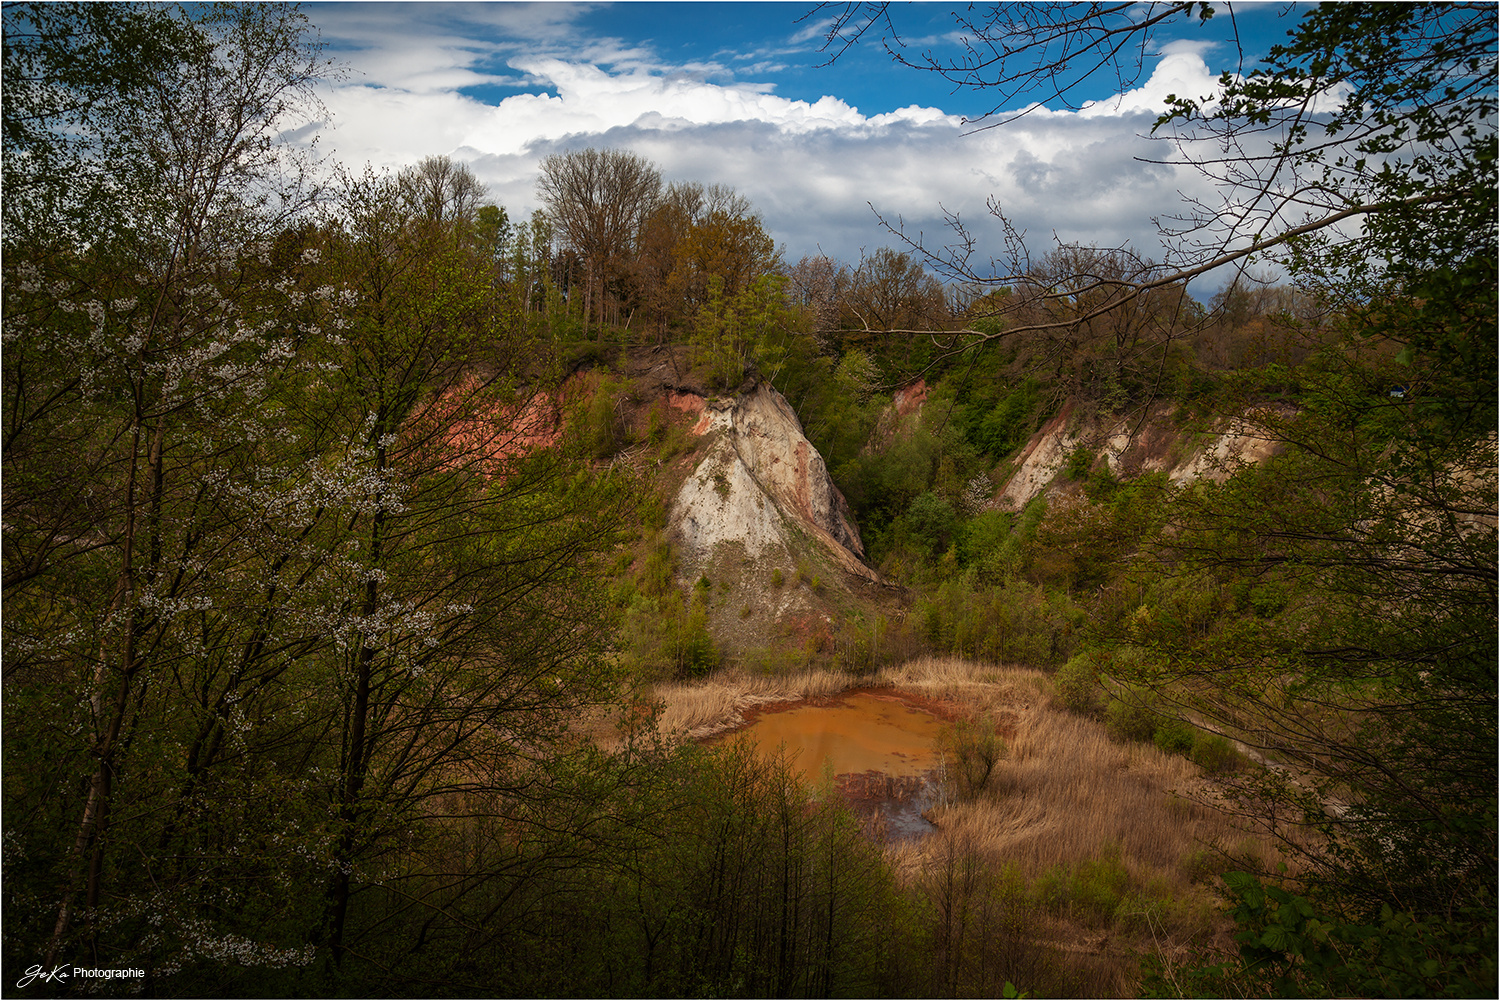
860 733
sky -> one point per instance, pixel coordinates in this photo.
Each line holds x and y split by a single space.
743 94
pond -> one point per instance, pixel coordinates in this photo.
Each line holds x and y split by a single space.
881 751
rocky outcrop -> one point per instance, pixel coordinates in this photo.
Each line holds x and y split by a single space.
761 485
1131 445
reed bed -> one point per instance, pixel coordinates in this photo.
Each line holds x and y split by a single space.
1103 845
1067 789
693 711
1064 792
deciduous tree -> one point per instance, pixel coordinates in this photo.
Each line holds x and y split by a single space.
597 200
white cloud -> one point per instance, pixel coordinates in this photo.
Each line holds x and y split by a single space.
1181 71
813 169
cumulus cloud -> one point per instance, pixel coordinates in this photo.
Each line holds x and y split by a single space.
814 169
1180 71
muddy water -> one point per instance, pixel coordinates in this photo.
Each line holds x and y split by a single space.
882 752
861 733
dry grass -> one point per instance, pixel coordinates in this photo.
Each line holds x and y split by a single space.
1067 789
1064 791
1110 838
697 710
1072 815
979 688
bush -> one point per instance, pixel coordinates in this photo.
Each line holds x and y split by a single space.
932 520
1079 464
1132 716
1203 865
1078 687
698 658
974 747
1268 599
1215 754
599 424
1174 736
1016 622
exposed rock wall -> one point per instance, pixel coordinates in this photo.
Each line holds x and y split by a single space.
760 484
1131 445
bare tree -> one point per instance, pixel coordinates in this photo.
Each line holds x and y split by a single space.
815 285
1362 148
891 290
598 201
442 191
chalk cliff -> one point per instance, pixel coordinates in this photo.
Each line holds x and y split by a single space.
761 490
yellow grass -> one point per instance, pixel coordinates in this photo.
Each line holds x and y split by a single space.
696 710
1065 796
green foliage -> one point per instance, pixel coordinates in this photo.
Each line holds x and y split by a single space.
1130 714
1291 947
838 409
598 421
698 657
1079 463
1078 685
1008 422
1175 736
932 520
1215 754
1013 622
733 331
1092 891
665 634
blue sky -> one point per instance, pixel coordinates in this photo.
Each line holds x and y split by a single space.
741 94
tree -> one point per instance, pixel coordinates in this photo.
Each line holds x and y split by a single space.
132 350
68 66
1334 607
443 192
292 594
815 285
695 235
598 200
1366 141
1112 356
467 628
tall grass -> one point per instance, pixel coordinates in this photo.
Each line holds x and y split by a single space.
1103 845
695 710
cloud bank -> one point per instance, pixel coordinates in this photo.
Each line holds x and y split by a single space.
818 171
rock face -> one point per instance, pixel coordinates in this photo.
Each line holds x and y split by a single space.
761 485
1130 445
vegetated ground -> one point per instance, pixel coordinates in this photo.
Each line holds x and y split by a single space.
1087 853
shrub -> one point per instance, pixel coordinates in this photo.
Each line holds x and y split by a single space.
656 423
1215 754
932 520
777 577
1079 464
974 747
1203 865
1078 687
1130 716
1268 599
599 423
1174 736
699 657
